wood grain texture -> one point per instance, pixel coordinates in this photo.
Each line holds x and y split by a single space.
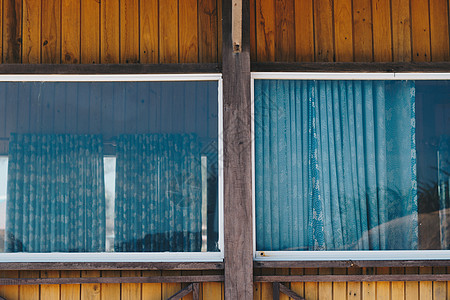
51 32
354 288
297 287
211 290
129 31
90 31
398 287
311 288
50 291
325 288
169 289
425 287
285 30
383 287
130 291
110 291
323 29
339 288
31 36
109 32
70 291
439 288
29 292
70 32
362 31
252 29
90 291
420 27
265 30
12 31
188 39
207 25
412 287
149 35
401 30
382 31
9 291
439 32
168 31
304 31
343 30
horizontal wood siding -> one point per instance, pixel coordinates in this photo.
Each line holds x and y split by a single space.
112 31
349 30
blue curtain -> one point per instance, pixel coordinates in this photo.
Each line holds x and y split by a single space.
158 193
55 194
444 190
335 165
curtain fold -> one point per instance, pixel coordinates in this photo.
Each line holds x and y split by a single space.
158 193
55 194
335 165
444 190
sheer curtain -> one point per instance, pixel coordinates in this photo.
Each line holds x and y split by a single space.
158 193
56 198
444 190
335 165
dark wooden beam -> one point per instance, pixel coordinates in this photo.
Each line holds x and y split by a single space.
237 158
82 280
113 266
276 291
351 264
184 292
351 67
290 293
196 291
109 68
352 278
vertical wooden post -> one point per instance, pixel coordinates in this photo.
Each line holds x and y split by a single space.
237 158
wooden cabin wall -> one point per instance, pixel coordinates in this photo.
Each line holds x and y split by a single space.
349 31
110 31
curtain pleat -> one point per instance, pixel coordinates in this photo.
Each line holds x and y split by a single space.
335 165
56 199
444 191
158 193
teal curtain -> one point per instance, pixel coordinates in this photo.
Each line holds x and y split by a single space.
158 193
444 190
335 165
55 194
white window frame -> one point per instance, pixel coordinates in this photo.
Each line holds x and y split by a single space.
132 256
337 255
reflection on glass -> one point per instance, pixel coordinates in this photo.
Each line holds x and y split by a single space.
93 167
351 165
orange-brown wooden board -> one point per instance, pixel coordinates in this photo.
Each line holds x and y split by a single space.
382 41
188 31
284 31
110 291
31 36
50 291
91 291
343 30
149 18
420 27
109 31
265 30
131 291
207 25
304 31
439 30
51 32
401 30
398 287
129 31
362 30
323 29
168 31
12 31
90 31
70 32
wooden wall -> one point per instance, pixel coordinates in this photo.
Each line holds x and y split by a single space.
107 291
349 30
110 31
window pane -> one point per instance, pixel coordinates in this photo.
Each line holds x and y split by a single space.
109 166
351 165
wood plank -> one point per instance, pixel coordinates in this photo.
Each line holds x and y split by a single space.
265 30
311 288
70 291
339 288
50 291
109 32
257 285
12 31
420 27
298 287
184 285
382 41
219 31
304 31
92 290
325 288
266 287
252 30
362 30
284 30
129 31
323 29
188 31
168 31
149 34
90 31
51 32
439 287
169 289
383 287
237 177
29 292
343 30
9 291
31 50
211 290
282 272
439 30
70 32
131 291
207 25
401 30
353 288
110 291
398 287
426 287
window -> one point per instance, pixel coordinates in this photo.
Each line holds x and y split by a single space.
106 165
351 166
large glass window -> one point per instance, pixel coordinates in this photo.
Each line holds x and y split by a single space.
347 165
110 165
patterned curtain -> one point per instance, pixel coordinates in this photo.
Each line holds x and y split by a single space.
56 194
335 165
443 189
158 193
